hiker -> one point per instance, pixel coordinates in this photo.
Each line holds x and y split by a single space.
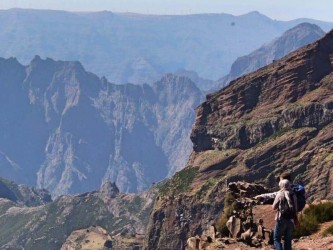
297 189
285 203
271 196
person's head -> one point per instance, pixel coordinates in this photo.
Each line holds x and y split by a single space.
285 176
284 184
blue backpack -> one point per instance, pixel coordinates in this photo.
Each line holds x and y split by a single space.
299 191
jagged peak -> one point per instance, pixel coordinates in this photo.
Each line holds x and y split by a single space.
109 189
71 65
10 60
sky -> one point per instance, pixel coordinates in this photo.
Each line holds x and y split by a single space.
276 9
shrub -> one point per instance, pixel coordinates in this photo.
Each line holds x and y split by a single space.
308 224
312 216
323 211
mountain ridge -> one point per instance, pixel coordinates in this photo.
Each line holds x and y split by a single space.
157 45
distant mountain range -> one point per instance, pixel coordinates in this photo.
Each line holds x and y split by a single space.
136 48
291 40
67 130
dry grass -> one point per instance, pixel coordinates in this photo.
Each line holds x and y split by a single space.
92 238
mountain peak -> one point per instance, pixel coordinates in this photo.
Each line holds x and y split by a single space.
255 14
305 29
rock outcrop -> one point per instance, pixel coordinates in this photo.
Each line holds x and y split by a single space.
97 238
278 118
93 238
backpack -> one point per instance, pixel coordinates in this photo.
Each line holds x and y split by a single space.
299 191
287 212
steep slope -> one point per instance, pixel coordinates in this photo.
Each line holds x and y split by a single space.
66 130
136 48
48 226
276 119
290 40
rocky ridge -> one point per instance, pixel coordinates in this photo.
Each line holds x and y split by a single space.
48 226
292 39
275 119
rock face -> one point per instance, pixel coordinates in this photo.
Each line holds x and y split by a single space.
277 119
22 194
66 130
292 39
48 226
138 48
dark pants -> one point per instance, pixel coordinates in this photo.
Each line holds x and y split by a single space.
283 228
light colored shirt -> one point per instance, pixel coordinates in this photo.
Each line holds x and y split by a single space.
279 196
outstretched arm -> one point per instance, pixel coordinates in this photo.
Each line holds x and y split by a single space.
266 196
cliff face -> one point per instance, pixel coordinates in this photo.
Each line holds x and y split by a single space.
66 130
292 39
275 119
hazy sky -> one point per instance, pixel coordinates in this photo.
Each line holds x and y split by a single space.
276 9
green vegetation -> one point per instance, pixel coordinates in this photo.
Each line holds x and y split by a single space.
312 216
179 183
229 206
